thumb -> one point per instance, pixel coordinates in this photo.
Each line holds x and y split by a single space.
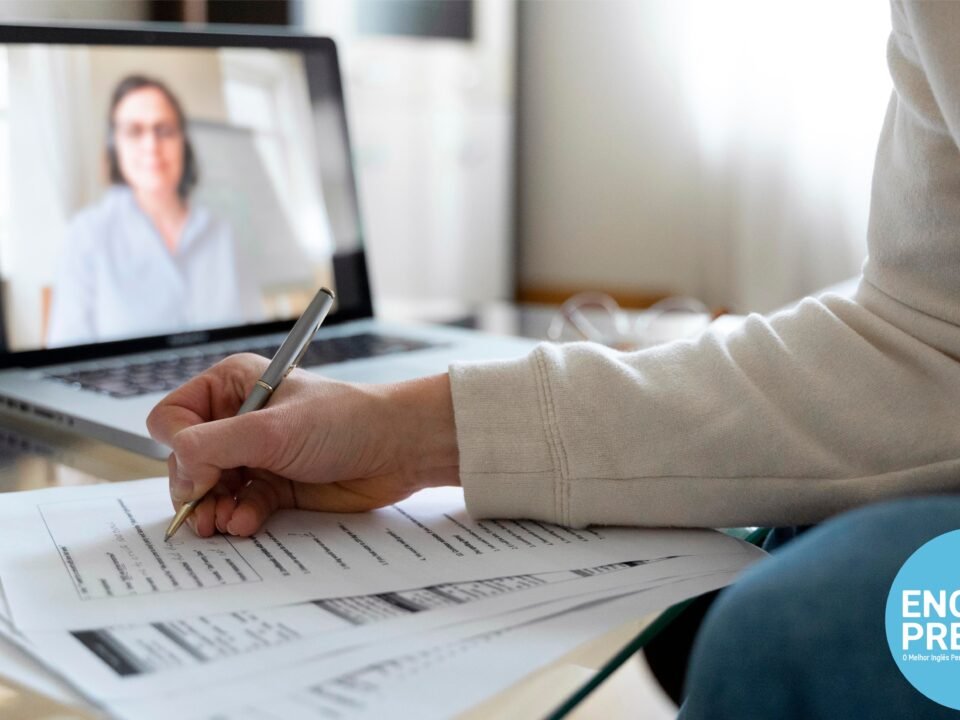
202 452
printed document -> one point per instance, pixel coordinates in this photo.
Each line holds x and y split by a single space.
461 665
18 663
81 558
152 659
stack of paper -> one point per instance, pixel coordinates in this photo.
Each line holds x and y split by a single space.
414 609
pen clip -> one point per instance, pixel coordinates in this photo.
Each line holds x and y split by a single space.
303 351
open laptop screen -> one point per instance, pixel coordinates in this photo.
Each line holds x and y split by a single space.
155 190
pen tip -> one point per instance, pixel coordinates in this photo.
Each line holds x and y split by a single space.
167 535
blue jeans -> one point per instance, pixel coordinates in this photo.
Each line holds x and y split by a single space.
801 635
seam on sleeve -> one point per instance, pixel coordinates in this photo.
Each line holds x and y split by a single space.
548 410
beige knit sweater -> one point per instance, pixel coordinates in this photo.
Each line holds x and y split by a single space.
795 417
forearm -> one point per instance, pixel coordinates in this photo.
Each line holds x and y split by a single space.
787 421
424 421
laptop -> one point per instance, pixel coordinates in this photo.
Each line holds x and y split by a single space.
170 198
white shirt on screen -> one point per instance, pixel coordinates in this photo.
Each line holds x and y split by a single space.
117 279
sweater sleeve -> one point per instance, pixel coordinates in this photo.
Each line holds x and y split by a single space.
791 418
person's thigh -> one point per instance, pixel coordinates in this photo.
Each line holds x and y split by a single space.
802 634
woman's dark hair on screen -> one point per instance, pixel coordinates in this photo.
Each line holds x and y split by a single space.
130 84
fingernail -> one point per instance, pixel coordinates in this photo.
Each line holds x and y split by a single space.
222 517
183 489
231 527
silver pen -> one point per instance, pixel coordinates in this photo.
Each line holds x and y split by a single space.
288 356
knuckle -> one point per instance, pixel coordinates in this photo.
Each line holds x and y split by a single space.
242 362
238 371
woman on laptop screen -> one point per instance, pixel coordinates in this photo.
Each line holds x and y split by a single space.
147 259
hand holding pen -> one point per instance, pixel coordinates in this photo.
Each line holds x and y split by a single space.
318 445
288 356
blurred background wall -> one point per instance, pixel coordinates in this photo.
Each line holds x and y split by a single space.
532 148
718 149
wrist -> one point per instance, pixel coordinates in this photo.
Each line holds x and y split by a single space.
429 448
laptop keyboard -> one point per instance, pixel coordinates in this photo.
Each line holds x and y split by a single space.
132 379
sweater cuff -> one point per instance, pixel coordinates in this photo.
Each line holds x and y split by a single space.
508 455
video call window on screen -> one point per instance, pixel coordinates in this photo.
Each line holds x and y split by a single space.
150 190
